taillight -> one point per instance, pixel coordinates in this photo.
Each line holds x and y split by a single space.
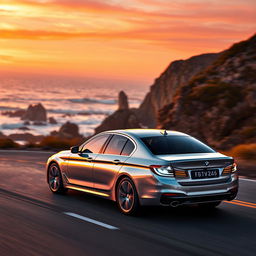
234 169
162 170
229 169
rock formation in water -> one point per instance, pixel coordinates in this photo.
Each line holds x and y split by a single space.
123 101
52 120
68 130
123 118
36 113
14 113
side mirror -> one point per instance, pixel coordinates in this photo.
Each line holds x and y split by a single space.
74 149
87 151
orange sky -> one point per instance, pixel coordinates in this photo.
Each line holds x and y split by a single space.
133 39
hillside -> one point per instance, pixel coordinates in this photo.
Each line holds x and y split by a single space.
165 86
219 104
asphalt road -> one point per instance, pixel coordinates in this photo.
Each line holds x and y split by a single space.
33 221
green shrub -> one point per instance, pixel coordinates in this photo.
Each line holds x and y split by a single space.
212 92
245 151
31 145
8 143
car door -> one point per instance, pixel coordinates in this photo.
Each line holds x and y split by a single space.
108 163
80 164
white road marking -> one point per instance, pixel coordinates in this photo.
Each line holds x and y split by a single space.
247 179
91 220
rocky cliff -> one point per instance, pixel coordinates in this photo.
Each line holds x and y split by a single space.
162 92
219 104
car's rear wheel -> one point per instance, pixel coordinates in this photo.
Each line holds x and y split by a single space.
55 180
210 205
127 197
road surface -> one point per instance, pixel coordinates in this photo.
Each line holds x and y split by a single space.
33 221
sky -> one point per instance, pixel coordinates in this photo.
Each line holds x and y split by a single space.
132 40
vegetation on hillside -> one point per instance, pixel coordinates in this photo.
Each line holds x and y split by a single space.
6 143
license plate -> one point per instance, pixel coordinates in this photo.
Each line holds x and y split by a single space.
205 174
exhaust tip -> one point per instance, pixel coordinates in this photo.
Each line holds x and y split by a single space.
174 203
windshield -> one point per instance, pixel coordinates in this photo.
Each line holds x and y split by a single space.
164 145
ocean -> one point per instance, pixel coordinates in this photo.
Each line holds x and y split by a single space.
84 101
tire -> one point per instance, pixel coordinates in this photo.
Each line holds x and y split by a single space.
55 179
127 197
209 206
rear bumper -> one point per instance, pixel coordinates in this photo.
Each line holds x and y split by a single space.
168 200
156 193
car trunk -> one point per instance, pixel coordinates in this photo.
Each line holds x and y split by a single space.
199 169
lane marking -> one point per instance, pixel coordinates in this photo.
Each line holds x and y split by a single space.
247 179
240 204
243 202
90 220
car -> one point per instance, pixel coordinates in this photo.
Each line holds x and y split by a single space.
138 167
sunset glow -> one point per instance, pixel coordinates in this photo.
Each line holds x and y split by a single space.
133 39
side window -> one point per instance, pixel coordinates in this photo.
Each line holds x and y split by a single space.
95 145
128 148
115 145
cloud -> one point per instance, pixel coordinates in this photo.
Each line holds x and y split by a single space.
6 59
165 28
154 33
140 13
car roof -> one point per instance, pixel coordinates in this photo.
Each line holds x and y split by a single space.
146 132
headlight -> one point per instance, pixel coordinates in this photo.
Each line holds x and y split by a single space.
162 170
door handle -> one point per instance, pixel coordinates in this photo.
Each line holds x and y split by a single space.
116 161
89 159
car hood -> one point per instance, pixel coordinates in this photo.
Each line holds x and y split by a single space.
195 156
64 152
61 153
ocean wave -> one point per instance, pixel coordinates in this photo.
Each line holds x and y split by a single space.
79 112
11 126
89 122
63 111
30 100
94 101
7 108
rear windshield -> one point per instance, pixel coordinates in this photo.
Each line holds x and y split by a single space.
164 145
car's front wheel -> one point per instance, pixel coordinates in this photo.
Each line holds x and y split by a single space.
55 180
127 197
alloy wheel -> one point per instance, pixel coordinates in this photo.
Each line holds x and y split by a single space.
126 195
54 178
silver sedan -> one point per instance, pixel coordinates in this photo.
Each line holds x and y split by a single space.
139 167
